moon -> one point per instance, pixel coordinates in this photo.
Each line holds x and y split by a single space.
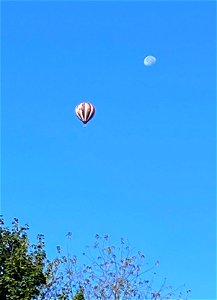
149 60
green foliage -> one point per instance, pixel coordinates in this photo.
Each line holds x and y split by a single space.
21 265
79 295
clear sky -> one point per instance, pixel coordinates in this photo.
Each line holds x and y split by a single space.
144 167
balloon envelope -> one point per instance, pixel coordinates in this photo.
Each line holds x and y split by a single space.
85 111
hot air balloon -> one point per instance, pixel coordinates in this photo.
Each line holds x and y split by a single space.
85 112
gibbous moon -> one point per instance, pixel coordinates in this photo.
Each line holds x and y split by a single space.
149 60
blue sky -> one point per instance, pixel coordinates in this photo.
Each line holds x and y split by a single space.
144 167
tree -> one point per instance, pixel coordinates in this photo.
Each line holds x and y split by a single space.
79 295
106 272
112 273
21 265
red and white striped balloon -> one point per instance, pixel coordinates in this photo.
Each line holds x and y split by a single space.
85 112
